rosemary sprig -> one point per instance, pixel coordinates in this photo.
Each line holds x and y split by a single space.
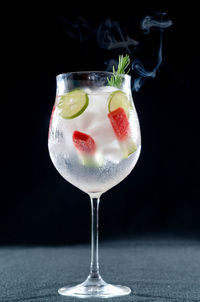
116 79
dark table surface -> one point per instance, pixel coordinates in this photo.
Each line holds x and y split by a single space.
155 270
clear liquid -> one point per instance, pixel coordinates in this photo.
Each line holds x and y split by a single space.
110 166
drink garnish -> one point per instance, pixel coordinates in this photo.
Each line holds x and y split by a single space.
118 99
87 150
84 142
120 123
121 127
116 78
73 103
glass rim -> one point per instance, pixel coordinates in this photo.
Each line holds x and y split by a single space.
60 75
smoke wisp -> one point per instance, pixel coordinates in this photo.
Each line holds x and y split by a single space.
158 22
110 36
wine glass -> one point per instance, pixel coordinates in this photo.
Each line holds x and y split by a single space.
94 142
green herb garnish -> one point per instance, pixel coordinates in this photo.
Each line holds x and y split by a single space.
116 79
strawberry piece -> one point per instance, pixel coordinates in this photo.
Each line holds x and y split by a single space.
84 142
120 123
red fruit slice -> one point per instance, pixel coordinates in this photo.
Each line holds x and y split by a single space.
120 123
121 127
84 142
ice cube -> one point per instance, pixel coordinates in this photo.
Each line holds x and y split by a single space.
112 152
105 89
87 90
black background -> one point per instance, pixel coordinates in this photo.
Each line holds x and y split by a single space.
161 196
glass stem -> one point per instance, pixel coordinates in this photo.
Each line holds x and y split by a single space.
94 265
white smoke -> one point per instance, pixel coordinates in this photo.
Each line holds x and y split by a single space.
159 22
109 36
156 20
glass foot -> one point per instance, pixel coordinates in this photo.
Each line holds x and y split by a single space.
95 287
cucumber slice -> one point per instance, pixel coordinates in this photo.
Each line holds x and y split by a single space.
128 147
118 99
73 103
89 161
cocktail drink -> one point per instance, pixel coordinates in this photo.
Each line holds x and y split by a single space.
94 143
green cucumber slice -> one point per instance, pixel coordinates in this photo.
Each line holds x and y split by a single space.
118 99
73 103
128 147
91 161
